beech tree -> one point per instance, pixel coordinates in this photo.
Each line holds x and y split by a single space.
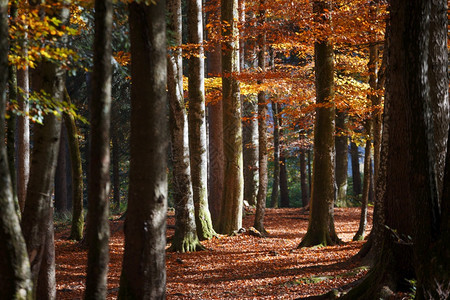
143 270
98 188
185 238
15 277
232 201
197 122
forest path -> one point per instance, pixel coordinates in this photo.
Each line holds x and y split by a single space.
239 267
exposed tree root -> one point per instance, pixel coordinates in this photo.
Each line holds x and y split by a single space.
185 244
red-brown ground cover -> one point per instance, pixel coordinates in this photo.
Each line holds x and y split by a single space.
239 267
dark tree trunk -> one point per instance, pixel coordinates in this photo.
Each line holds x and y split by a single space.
284 189
60 175
232 200
15 277
303 179
262 131
10 134
76 230
356 174
323 189
197 123
46 288
98 187
309 172
341 141
185 238
143 269
276 157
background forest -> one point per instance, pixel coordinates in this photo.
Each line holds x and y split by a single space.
214 110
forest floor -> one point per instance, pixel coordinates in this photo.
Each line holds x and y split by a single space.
239 267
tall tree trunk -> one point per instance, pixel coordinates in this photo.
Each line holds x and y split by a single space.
303 179
46 288
76 230
341 141
356 175
366 189
215 125
309 172
10 134
48 77
284 189
15 277
143 269
98 186
276 157
60 174
323 193
197 123
262 130
232 200
185 238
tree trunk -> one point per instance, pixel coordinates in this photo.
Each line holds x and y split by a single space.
143 269
303 180
15 277
215 125
76 230
98 186
10 134
365 195
185 238
341 141
276 157
323 189
262 131
284 189
356 175
46 288
197 123
232 200
60 175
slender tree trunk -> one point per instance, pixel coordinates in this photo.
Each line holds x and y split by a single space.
15 277
323 193
232 200
76 230
143 269
98 186
197 123
61 191
262 130
284 189
185 238
276 157
365 195
356 175
303 179
10 134
341 141
309 172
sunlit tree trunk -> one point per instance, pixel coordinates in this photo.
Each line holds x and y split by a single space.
185 238
10 134
143 269
97 231
232 199
215 121
341 141
15 277
197 122
323 189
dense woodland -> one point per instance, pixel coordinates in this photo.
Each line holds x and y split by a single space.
208 113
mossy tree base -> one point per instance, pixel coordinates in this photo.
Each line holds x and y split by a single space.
316 239
186 244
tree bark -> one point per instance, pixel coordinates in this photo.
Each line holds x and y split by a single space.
303 179
97 231
76 230
323 189
262 131
197 122
232 200
284 189
341 141
61 191
356 175
143 269
46 288
185 238
10 134
15 277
